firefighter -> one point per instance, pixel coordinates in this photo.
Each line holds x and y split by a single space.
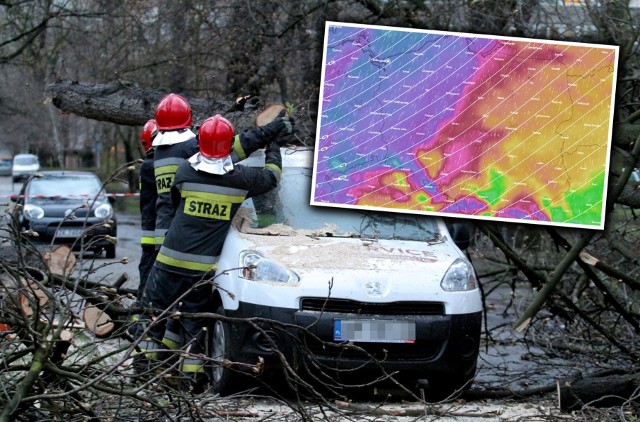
207 192
148 197
174 143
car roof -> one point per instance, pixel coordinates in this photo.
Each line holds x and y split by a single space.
67 173
291 157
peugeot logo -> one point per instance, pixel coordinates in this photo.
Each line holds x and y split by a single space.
375 288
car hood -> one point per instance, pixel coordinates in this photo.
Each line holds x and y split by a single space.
308 253
345 268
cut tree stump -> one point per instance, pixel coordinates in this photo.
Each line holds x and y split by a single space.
607 391
31 297
98 321
61 261
269 114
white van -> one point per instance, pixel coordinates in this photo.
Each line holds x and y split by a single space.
349 293
24 165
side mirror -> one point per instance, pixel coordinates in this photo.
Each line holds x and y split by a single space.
111 199
14 198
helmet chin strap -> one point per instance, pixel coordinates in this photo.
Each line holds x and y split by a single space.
218 166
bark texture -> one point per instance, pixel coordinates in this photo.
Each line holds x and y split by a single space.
614 390
125 103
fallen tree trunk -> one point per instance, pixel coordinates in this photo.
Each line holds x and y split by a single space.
608 391
125 103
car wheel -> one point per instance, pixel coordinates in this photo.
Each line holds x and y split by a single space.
222 348
110 251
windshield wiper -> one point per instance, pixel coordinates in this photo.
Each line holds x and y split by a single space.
263 231
437 238
368 240
341 236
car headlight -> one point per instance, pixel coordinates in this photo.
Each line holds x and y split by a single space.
258 268
33 212
104 211
459 277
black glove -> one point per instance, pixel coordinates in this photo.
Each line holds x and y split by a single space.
281 126
272 146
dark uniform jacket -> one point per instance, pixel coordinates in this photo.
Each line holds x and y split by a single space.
148 197
169 157
205 205
166 161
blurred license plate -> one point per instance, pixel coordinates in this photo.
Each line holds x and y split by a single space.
69 233
374 331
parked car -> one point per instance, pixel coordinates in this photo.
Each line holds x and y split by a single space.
348 285
70 208
6 162
24 165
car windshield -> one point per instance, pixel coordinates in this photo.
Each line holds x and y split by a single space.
25 160
287 207
75 187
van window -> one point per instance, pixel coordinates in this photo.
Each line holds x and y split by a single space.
25 160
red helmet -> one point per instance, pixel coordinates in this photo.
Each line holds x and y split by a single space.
173 112
215 136
149 131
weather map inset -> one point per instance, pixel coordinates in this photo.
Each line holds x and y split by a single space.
464 125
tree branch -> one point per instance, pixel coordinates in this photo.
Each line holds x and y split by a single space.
551 283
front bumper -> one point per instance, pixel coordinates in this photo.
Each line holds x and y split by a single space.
445 344
95 235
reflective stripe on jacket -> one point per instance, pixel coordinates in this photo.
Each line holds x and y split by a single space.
192 366
148 237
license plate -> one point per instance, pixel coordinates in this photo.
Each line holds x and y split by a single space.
374 331
73 233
